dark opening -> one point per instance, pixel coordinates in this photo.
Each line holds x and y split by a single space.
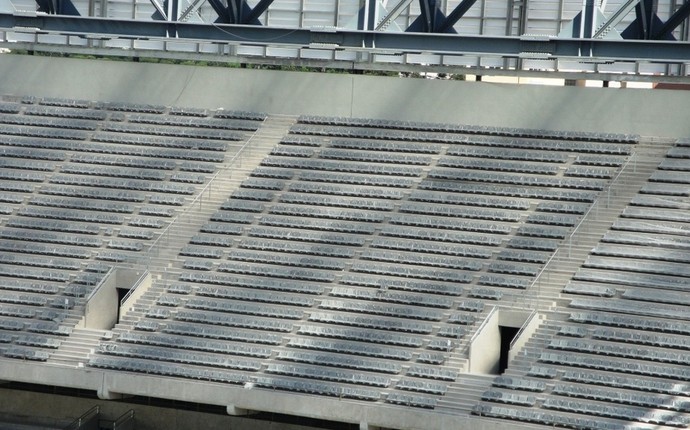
507 336
121 293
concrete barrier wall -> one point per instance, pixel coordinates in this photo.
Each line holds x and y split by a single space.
642 111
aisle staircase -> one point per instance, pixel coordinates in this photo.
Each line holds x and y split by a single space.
163 260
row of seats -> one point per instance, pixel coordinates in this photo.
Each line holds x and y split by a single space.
450 223
328 374
615 380
293 151
29 237
630 265
531 415
263 183
449 236
41 121
459 211
44 275
619 412
339 360
62 112
507 154
337 201
390 147
41 166
632 279
587 346
215 318
353 179
287 260
14 175
631 307
166 369
458 263
617 396
71 215
320 388
377 309
296 248
129 184
406 271
499 166
184 342
299 223
254 296
384 284
374 156
226 333
341 166
307 236
253 282
140 162
119 172
505 281
393 297
40 132
31 154
471 129
355 132
460 186
277 272
349 347
27 260
418 246
372 336
613 365
633 322
150 141
30 287
185 121
81 204
345 190
494 177
194 133
378 323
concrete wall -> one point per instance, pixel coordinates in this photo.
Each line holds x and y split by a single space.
643 111
485 349
101 306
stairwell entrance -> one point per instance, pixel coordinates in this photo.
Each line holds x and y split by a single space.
499 338
110 298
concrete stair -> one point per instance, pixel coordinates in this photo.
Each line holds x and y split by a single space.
163 260
464 393
76 349
545 292
163 256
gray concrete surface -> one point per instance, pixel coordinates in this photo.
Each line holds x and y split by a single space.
642 111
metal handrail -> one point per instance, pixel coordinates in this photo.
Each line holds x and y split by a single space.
100 284
584 218
86 417
134 287
179 216
523 328
124 419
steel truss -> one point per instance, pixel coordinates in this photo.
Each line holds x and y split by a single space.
238 36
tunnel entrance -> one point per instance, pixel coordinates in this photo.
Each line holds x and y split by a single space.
499 338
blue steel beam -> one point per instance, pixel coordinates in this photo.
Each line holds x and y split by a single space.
596 50
664 32
453 17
